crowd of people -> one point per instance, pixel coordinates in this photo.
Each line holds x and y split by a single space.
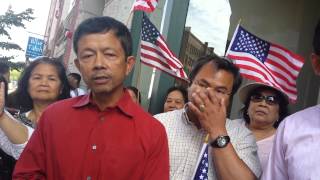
57 130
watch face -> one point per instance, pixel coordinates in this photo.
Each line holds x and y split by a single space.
221 142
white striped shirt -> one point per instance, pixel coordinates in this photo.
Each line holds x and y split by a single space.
185 142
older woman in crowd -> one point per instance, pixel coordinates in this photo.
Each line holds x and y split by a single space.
176 98
264 108
43 82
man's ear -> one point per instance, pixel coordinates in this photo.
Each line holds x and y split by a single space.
76 62
315 60
130 64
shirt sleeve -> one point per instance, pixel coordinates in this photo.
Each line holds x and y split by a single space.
31 164
20 147
157 166
9 148
276 167
245 145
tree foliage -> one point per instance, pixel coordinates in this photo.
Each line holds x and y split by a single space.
7 21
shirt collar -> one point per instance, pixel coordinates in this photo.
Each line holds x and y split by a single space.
185 117
125 103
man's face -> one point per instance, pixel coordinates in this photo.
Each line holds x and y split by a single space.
220 82
102 62
73 82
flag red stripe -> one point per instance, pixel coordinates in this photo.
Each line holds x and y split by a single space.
164 46
156 53
146 57
257 63
250 68
168 71
284 59
159 53
286 79
293 55
145 5
286 71
161 57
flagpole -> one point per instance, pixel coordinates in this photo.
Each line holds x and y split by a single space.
139 79
239 22
204 146
138 84
206 140
234 35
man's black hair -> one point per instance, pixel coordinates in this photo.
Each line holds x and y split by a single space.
181 89
220 63
104 24
76 76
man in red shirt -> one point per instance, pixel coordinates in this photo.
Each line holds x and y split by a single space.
102 135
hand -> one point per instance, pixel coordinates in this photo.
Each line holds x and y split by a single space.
2 98
213 116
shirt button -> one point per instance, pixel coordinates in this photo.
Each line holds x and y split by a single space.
102 118
94 147
89 178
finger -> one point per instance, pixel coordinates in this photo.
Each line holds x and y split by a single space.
193 108
196 99
205 98
212 96
223 103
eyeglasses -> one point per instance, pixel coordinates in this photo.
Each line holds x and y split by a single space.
271 100
218 90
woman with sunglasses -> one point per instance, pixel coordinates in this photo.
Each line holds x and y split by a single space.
264 108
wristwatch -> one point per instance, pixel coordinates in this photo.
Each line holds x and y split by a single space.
220 142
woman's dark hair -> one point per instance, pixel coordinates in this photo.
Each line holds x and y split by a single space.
136 92
219 63
2 79
25 102
283 105
181 89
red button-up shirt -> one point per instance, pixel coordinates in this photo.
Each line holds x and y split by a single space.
74 140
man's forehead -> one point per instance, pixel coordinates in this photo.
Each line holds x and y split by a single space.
218 77
211 71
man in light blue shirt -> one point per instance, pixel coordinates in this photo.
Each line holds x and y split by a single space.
295 154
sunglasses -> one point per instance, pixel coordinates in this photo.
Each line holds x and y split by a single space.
271 100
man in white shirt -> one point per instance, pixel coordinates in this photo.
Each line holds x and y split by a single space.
232 148
74 82
295 154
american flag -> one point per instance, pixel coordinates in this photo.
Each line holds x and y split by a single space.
156 53
145 5
201 171
265 62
